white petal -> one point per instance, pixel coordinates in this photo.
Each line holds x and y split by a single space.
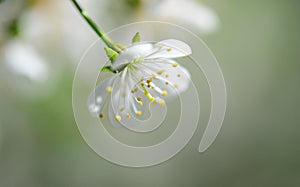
119 93
139 49
132 52
170 49
126 107
169 75
98 96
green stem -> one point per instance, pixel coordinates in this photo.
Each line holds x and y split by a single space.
111 44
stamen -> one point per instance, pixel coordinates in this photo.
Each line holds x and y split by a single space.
122 109
162 102
101 115
167 75
118 118
167 83
147 93
128 116
150 97
161 72
175 65
178 75
164 93
159 46
139 113
134 90
176 85
139 100
149 81
109 89
133 105
169 49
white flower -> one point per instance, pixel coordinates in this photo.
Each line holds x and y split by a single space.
23 60
145 73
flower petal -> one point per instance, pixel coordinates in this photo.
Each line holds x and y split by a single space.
138 50
99 95
128 104
169 75
170 48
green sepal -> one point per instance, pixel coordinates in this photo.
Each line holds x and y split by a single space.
136 38
107 69
111 54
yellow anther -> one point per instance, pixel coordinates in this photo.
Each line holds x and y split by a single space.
149 81
101 115
164 93
159 46
149 96
178 75
141 103
162 102
147 93
109 89
152 99
176 85
161 72
139 98
134 90
142 79
167 75
124 94
167 83
128 116
122 109
175 65
169 49
139 113
118 118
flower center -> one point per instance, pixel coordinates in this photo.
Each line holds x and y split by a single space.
130 65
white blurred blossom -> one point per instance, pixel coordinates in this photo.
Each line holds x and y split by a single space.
188 13
22 59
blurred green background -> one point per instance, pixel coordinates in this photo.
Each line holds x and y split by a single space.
256 43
